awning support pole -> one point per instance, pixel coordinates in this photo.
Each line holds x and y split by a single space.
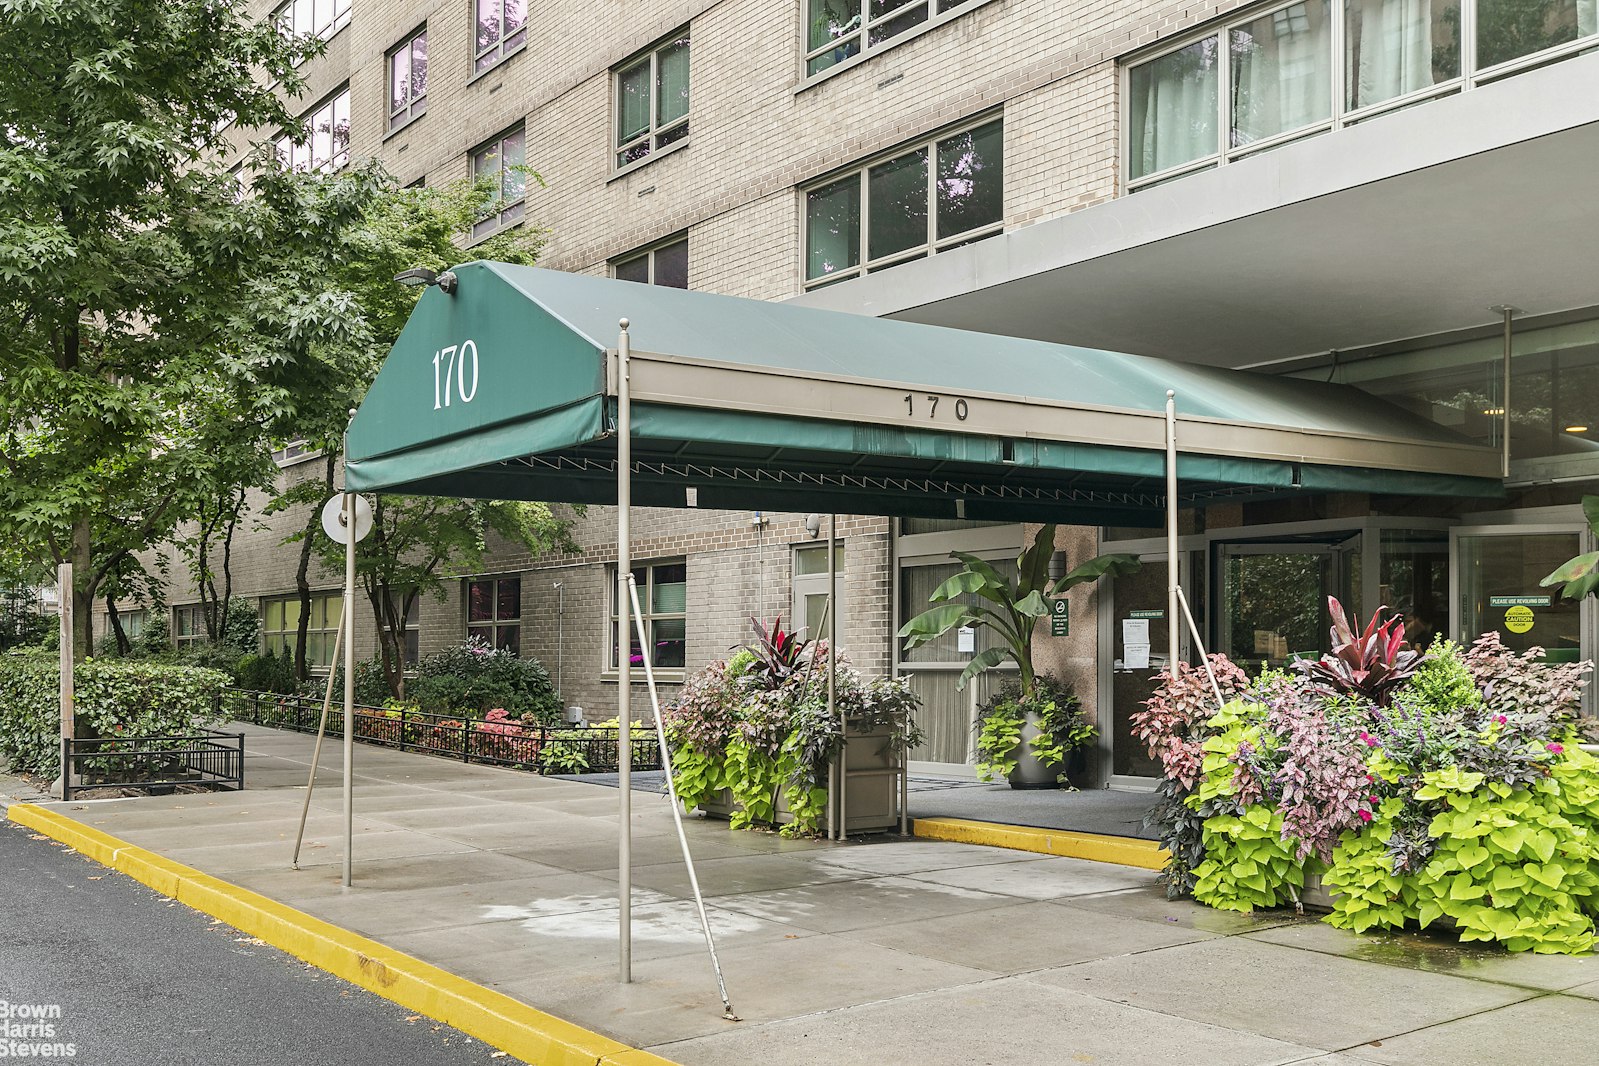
832 676
349 685
1504 394
1199 642
316 752
624 657
1171 533
677 808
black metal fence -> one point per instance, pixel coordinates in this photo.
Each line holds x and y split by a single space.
154 763
537 748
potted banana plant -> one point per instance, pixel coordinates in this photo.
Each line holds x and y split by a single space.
1030 751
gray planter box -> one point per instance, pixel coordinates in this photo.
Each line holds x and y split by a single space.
872 774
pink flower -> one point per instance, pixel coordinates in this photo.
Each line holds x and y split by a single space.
1556 748
1365 815
1371 741
1374 799
1501 719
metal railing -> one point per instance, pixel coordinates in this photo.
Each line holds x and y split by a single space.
156 763
540 749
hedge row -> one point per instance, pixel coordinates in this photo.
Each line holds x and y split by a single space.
113 697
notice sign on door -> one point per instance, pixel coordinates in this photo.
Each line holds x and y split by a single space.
1059 618
1518 619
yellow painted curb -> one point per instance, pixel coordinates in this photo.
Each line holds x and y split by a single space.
492 1017
1123 851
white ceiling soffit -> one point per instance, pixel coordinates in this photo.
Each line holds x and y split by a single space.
1406 225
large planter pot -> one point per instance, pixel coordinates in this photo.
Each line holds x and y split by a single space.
1031 771
871 787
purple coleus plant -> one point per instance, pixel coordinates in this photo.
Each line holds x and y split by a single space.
1370 664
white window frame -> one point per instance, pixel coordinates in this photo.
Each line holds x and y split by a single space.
300 153
860 172
803 586
503 48
1467 78
648 254
503 213
416 104
863 33
646 599
194 614
324 624
651 137
320 18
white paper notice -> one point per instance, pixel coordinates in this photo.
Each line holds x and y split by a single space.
965 640
1135 656
1135 631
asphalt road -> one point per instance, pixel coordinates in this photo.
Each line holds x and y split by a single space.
144 981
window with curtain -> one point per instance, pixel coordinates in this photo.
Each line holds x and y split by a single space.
188 625
1185 109
652 100
321 17
1396 47
930 198
1281 72
663 598
1172 117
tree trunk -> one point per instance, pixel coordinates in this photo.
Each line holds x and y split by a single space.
124 646
227 566
83 588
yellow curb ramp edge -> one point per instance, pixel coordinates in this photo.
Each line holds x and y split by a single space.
492 1017
1122 851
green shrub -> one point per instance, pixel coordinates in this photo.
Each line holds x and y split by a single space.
114 698
266 673
473 679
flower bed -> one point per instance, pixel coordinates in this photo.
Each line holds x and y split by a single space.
1421 788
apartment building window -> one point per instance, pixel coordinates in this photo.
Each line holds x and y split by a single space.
500 163
843 29
408 80
324 141
501 30
321 17
293 451
188 625
1296 69
132 622
494 612
280 626
652 101
663 595
665 264
933 197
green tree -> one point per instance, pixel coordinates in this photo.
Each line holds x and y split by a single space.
415 540
149 305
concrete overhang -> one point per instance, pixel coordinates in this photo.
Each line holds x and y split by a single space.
1406 225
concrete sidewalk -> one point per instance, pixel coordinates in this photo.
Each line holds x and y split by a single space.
886 951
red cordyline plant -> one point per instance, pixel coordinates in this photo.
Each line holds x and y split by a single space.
778 654
1372 663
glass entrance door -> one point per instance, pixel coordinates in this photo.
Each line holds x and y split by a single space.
1139 642
1274 597
1498 591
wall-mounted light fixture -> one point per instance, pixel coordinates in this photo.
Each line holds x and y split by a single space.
418 277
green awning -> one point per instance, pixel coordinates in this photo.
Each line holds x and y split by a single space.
505 389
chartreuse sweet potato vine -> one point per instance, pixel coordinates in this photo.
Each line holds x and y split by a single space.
1459 799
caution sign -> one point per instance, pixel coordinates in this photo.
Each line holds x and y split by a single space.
1518 619
1060 622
